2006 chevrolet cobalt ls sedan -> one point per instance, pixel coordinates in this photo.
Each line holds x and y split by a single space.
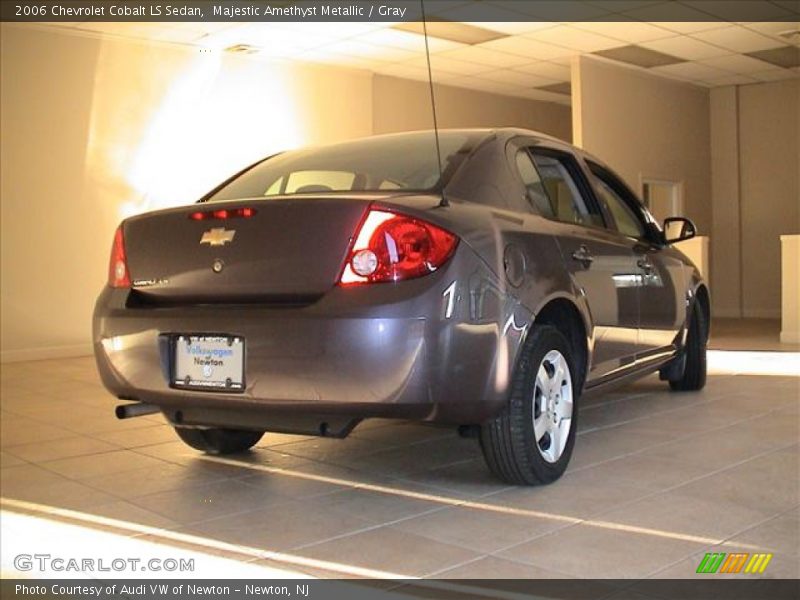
324 286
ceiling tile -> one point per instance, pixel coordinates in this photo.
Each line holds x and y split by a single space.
633 32
485 56
639 56
736 39
370 51
692 71
454 31
343 60
784 56
516 78
517 27
406 40
737 63
547 69
774 29
331 31
691 26
529 48
686 47
575 39
270 40
442 64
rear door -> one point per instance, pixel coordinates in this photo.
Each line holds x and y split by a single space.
601 263
660 274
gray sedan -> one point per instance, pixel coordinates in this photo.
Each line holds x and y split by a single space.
486 286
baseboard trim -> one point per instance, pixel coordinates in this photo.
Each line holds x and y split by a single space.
726 313
51 352
762 313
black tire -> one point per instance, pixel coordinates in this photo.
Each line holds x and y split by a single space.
508 441
693 377
219 441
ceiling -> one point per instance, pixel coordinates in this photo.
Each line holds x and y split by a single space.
526 59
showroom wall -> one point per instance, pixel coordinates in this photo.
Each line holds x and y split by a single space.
646 127
93 131
458 107
756 199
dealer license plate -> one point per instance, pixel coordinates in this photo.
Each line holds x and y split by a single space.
209 362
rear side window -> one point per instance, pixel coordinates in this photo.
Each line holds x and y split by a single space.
556 194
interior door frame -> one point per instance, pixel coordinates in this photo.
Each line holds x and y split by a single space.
677 192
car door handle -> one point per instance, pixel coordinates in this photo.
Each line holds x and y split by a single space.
583 256
645 265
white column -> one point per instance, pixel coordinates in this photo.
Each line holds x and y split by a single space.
790 289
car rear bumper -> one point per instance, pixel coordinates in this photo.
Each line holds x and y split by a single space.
357 353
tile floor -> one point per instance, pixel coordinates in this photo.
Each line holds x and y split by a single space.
657 480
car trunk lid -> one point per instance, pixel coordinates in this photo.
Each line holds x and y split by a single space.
277 250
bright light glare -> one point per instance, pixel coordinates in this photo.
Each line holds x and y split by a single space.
197 119
26 534
728 362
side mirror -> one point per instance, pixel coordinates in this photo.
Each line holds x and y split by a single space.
678 229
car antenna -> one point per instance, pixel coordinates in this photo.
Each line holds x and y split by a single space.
443 201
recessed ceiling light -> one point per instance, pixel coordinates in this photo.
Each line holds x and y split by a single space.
242 49
639 56
452 31
565 87
785 56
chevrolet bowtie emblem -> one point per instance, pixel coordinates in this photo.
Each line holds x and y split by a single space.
219 236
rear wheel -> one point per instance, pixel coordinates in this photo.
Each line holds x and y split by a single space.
219 441
531 441
694 371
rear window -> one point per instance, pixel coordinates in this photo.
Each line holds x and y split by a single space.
402 162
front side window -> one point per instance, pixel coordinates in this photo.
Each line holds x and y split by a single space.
557 195
625 220
534 188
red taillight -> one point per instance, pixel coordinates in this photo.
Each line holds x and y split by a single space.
394 247
118 276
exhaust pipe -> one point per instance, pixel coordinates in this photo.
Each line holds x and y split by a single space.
137 409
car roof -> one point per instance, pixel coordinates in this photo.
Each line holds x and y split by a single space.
502 134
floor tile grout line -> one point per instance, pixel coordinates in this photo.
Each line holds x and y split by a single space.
666 412
175 536
727 539
678 439
601 513
575 520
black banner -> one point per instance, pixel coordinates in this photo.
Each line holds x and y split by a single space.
396 10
